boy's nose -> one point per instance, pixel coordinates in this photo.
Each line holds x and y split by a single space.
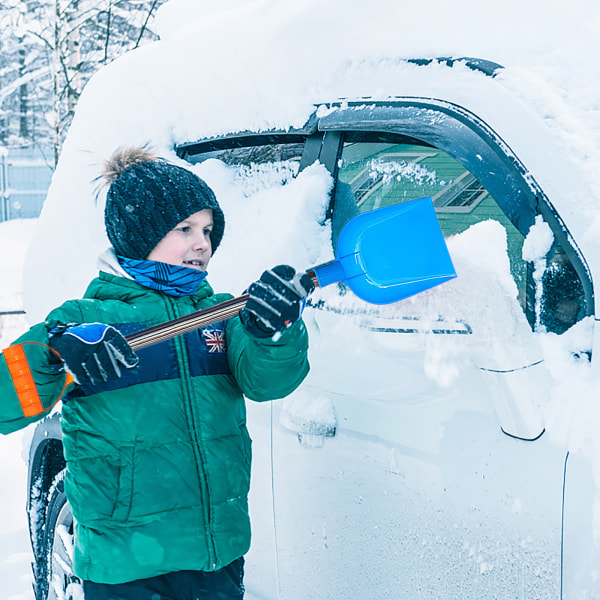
201 243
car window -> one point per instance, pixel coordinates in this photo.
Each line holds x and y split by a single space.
258 162
251 155
376 171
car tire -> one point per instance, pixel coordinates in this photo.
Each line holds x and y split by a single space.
55 577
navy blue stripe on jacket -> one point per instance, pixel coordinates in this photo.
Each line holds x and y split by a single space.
206 352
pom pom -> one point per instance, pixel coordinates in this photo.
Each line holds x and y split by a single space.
122 159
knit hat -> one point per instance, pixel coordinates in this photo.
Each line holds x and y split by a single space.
148 197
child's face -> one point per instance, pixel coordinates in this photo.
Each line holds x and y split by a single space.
188 243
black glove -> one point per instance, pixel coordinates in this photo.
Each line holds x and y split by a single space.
276 301
91 352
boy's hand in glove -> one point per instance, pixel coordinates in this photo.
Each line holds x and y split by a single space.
276 301
92 352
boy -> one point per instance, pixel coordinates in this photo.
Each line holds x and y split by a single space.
158 455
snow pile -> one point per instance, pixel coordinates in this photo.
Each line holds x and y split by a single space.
15 551
538 242
267 223
15 237
535 248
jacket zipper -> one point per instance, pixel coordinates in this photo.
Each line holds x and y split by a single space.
197 442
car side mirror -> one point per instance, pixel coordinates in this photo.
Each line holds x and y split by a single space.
310 415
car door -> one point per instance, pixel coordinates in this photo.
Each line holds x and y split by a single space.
413 462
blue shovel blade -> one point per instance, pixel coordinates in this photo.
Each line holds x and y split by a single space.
390 253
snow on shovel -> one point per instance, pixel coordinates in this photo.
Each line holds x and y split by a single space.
383 256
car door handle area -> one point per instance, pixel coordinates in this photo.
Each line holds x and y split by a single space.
518 395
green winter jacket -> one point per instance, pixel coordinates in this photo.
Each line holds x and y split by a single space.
158 461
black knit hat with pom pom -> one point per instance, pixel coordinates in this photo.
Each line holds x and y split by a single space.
148 197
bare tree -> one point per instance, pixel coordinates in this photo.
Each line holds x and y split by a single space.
48 51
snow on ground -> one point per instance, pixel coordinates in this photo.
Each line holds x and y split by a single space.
15 551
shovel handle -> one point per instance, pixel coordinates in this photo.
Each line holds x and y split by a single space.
175 327
196 320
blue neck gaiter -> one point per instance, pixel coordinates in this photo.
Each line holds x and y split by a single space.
171 279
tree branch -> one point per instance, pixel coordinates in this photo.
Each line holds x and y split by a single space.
145 25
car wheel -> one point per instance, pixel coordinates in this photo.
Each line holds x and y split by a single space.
57 580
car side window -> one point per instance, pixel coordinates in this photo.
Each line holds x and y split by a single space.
378 170
252 155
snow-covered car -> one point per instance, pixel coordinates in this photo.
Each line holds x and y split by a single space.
430 453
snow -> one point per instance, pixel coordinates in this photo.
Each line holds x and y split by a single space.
538 242
294 212
263 64
15 550
267 86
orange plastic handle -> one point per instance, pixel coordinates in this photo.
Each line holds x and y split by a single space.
23 382
18 367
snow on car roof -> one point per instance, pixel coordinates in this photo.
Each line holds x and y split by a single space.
263 65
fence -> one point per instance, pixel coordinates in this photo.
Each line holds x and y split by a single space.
25 175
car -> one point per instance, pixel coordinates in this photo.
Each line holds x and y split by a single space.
416 461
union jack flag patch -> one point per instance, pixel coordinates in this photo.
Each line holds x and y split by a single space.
215 340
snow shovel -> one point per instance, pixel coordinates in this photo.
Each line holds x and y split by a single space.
383 256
